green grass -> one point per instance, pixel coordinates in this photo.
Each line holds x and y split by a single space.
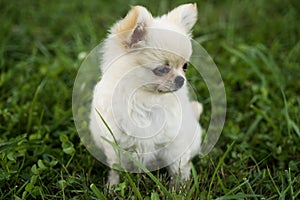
255 44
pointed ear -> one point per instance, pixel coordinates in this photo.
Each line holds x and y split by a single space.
131 30
184 16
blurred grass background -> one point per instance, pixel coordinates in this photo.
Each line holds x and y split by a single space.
256 46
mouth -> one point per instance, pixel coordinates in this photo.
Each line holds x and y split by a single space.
161 89
168 90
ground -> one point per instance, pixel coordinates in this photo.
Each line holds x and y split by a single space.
255 45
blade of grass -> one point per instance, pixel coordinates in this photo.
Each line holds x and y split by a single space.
291 124
97 192
192 190
222 185
62 187
239 196
250 188
106 125
273 182
232 191
135 189
221 161
283 191
297 193
29 122
5 146
268 60
111 133
254 125
264 115
291 182
195 185
248 61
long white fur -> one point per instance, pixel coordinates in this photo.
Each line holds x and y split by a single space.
144 120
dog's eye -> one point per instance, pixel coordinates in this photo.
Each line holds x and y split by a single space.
185 67
160 71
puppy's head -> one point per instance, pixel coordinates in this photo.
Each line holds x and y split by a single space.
157 48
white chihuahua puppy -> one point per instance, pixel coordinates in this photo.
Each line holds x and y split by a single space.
143 97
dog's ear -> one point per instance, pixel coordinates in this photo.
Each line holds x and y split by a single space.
131 30
184 16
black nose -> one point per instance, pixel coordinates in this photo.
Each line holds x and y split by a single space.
179 80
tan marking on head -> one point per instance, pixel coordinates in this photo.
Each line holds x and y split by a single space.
195 6
129 22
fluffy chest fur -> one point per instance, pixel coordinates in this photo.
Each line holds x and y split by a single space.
141 121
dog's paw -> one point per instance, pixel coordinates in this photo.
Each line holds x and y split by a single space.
197 108
113 178
175 184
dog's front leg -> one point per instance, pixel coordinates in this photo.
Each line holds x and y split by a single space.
179 171
112 160
113 178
